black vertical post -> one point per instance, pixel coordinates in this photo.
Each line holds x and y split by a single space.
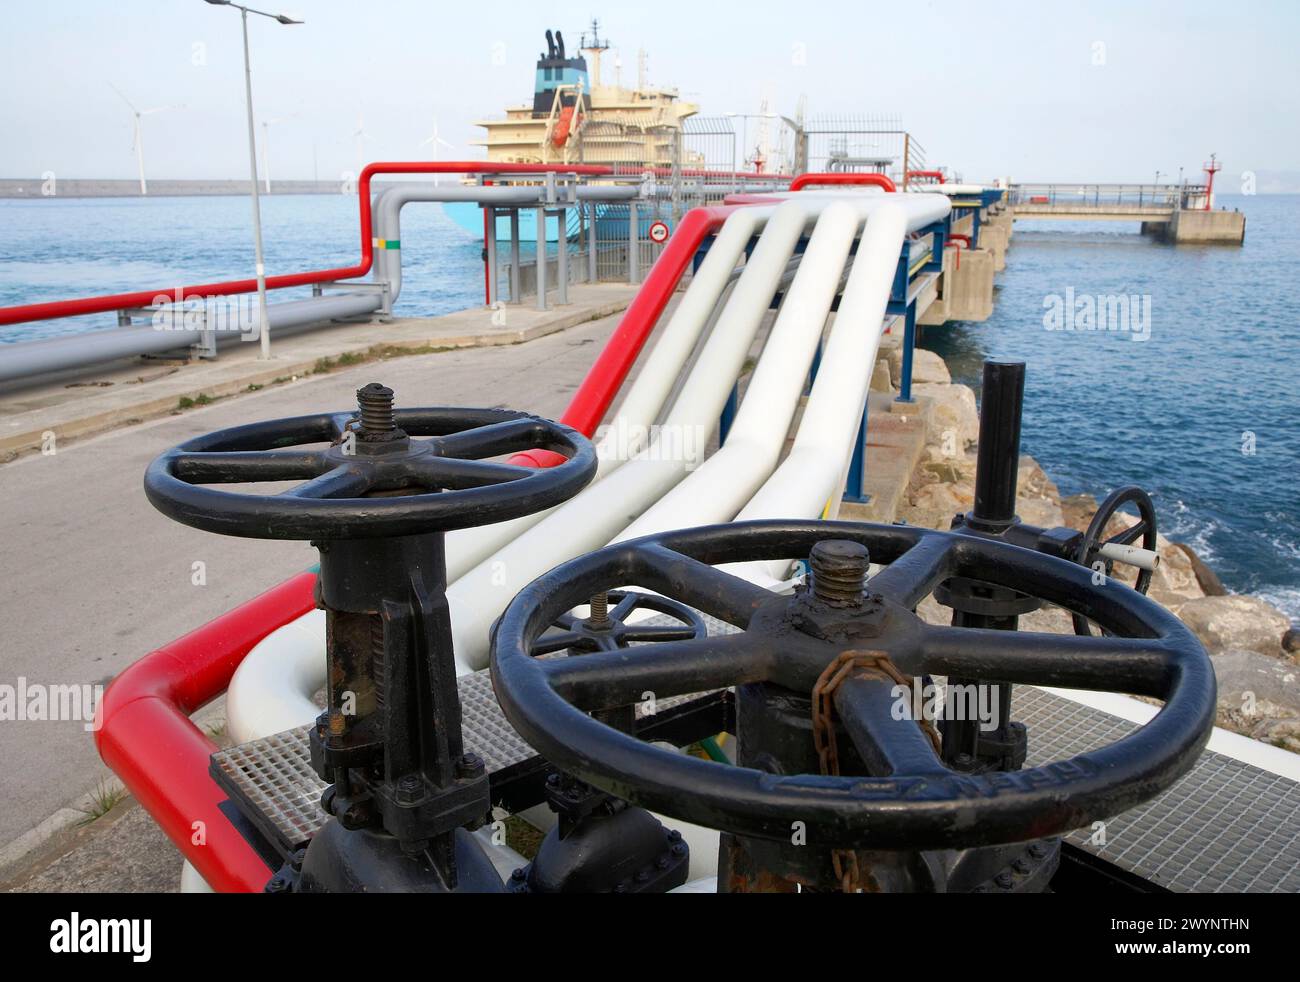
998 461
966 746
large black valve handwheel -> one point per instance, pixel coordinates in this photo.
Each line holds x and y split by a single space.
1090 546
911 800
385 472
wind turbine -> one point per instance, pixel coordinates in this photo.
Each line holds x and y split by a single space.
137 143
266 147
436 141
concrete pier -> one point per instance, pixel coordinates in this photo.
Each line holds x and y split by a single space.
1203 228
1171 213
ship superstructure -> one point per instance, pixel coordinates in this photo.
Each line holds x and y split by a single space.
574 116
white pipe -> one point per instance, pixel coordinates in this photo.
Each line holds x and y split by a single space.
644 401
272 689
813 472
1132 555
591 519
950 189
715 491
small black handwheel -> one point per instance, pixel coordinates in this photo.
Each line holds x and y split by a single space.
1090 548
909 799
383 472
607 627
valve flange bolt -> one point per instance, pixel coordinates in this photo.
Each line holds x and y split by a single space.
839 572
470 765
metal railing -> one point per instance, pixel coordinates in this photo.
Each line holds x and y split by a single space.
856 142
1099 197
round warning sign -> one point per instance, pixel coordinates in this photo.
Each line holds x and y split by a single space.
659 232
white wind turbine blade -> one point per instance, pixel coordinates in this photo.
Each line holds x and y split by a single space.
137 137
121 96
435 139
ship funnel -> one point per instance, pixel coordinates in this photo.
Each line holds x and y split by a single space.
550 45
559 45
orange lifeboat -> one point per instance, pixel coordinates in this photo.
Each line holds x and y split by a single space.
565 126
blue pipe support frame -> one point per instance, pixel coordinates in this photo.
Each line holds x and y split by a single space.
855 485
940 230
812 372
728 416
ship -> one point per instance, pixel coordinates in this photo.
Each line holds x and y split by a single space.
575 117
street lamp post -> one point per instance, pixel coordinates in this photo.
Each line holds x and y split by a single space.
264 324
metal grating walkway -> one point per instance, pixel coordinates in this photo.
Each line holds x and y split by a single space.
1227 826
274 776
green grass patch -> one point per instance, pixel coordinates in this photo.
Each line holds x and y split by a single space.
202 399
102 801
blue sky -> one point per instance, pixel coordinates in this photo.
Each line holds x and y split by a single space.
990 89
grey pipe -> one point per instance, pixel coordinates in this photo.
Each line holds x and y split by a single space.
390 201
31 358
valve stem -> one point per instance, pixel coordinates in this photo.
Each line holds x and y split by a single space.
599 610
378 420
839 571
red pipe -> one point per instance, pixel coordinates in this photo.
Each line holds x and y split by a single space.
146 737
592 400
809 180
144 298
936 174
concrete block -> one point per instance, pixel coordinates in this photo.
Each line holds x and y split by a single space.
967 289
993 236
926 366
880 378
1207 227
